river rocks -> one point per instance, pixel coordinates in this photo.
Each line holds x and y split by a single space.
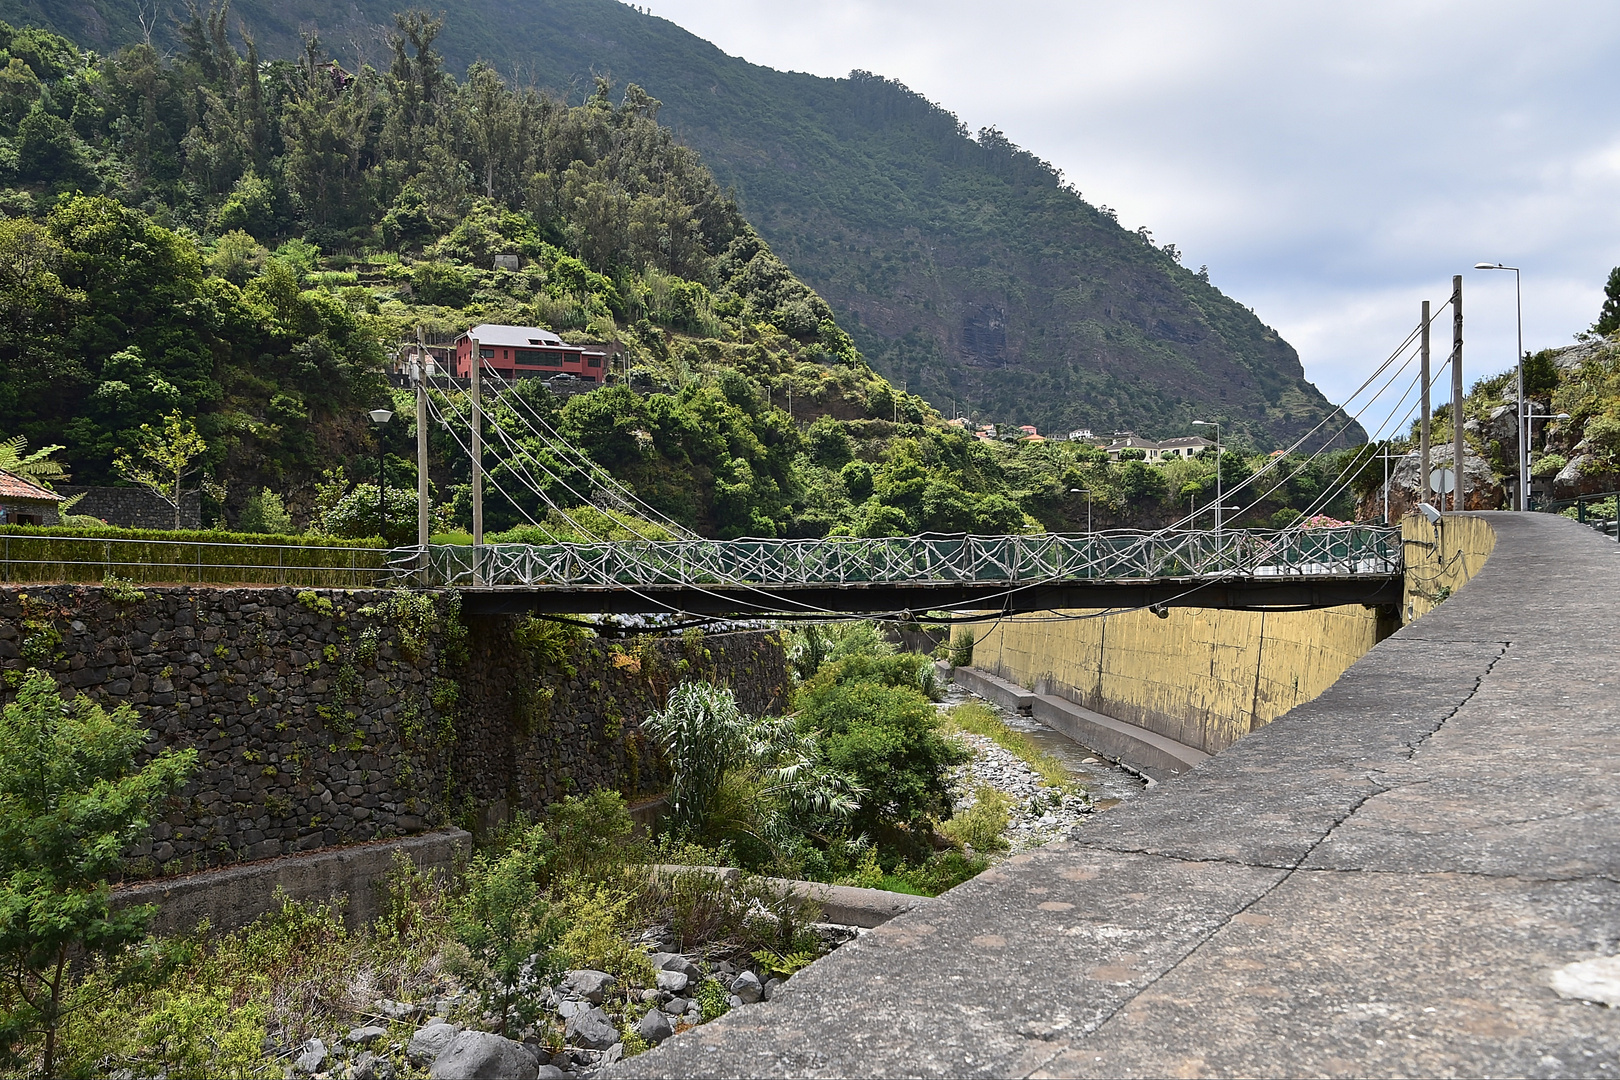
368 1066
676 1006
311 1057
590 985
747 987
592 1030
429 1042
656 1026
365 1036
482 1055
664 961
673 981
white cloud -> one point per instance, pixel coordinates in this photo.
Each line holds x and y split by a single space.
1333 164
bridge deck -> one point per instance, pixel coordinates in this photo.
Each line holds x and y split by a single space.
1376 884
1238 593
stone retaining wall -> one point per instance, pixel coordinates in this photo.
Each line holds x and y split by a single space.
328 717
134 508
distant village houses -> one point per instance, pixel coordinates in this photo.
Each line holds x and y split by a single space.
1185 447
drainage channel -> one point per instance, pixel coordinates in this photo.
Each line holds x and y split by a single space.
1108 783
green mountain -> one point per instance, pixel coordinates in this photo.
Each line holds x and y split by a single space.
963 266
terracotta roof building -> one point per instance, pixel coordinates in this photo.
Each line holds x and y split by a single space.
23 502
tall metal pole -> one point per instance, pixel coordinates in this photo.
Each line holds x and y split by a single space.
1423 424
421 443
1524 406
382 487
1220 499
477 461
1459 498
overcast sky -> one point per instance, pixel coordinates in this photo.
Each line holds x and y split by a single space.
1333 164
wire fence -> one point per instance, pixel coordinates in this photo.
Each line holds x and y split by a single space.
63 559
1123 555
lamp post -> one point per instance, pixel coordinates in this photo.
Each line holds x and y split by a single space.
1218 497
1087 493
1524 414
381 417
1531 418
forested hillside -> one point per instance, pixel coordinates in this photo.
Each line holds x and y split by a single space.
962 266
245 245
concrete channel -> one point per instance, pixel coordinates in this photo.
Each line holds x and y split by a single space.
1386 880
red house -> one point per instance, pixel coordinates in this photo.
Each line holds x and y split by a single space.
518 352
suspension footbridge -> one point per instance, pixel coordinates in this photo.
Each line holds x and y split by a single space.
1245 569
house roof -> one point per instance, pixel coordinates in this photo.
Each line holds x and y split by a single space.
513 336
15 487
1185 440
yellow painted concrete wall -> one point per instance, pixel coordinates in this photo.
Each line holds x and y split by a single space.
1206 677
1201 676
1440 559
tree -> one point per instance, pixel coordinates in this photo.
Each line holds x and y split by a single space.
163 461
1609 318
71 802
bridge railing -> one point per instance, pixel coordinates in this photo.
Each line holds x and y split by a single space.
935 559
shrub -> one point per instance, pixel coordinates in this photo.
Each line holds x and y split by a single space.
980 826
962 643
264 512
888 739
509 930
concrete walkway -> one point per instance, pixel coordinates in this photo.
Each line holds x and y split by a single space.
1376 884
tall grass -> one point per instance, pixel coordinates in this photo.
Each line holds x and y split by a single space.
979 719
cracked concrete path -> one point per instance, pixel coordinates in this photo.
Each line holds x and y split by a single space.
1378 883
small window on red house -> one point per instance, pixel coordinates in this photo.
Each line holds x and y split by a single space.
596 361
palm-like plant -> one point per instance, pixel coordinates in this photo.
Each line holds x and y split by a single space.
703 734
37 467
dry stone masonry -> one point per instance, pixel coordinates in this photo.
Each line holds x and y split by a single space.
331 717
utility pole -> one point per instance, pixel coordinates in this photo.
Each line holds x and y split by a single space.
422 514
477 461
1458 497
1423 424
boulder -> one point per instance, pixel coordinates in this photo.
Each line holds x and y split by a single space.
673 981
570 1009
482 1055
368 1066
664 961
550 1072
615 1054
676 1006
747 987
429 1042
365 1036
311 1057
656 1026
396 1010
588 984
771 987
592 1030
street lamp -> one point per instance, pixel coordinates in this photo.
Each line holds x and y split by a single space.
1524 423
1087 493
1532 417
1218 507
381 417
